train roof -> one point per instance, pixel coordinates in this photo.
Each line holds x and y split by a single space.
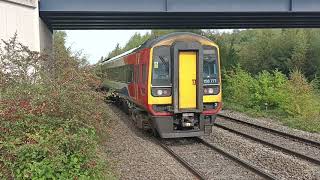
152 42
123 54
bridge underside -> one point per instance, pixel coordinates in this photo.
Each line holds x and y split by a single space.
180 14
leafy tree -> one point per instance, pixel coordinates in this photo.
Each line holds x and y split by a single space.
256 50
138 39
299 53
117 50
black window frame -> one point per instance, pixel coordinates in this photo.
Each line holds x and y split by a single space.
137 73
144 74
166 50
129 74
216 63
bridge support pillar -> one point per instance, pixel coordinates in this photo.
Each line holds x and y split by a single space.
22 17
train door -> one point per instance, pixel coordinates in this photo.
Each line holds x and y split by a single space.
143 83
187 79
136 82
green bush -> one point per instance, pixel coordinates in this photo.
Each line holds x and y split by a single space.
239 87
303 105
267 90
51 120
270 92
293 100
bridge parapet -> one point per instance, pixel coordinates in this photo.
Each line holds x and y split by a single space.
22 17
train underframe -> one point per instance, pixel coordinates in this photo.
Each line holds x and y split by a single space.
188 124
179 125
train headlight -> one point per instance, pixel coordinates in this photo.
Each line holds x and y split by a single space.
161 92
211 90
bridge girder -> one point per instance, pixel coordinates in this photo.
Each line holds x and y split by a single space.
180 14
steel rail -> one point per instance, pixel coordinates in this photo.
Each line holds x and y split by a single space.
294 153
181 161
283 134
238 160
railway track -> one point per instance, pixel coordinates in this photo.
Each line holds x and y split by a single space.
216 149
188 166
294 145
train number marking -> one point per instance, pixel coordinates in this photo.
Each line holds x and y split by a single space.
156 65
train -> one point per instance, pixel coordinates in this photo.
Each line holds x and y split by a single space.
170 84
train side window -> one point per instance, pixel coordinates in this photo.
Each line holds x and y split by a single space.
144 73
129 73
134 73
123 74
116 76
120 74
110 74
107 74
114 73
138 73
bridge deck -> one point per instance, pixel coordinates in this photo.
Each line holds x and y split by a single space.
155 14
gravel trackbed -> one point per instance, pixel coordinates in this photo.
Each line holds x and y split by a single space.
133 154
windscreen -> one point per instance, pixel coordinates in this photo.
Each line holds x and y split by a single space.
161 66
210 65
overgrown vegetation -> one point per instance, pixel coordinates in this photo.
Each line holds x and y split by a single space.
271 72
51 120
292 100
278 75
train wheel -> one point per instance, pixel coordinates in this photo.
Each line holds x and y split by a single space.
155 132
125 106
153 129
133 117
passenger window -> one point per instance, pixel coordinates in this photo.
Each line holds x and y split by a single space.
124 75
137 74
130 77
116 74
144 73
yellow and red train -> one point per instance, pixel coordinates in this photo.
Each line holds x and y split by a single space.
171 84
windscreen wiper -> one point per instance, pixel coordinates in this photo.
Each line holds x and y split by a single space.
164 62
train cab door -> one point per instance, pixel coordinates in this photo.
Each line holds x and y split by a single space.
187 80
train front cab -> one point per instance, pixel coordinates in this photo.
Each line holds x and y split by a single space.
185 87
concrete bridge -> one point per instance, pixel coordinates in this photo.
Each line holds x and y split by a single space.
22 16
35 20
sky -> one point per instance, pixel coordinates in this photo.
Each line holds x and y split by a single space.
97 43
